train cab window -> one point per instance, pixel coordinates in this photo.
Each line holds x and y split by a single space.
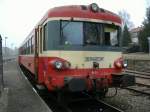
110 36
72 33
51 35
107 39
91 34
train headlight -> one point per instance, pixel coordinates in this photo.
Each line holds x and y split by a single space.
61 65
94 7
125 63
58 65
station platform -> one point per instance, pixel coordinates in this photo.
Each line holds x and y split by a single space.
19 95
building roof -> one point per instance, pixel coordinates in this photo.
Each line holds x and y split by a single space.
136 30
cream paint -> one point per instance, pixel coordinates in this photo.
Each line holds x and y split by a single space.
77 58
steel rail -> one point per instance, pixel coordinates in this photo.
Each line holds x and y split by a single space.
141 84
142 75
93 105
138 91
139 75
137 72
112 107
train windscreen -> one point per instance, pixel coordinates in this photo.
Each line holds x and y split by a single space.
89 33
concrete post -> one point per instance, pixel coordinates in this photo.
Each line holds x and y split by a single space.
149 43
1 67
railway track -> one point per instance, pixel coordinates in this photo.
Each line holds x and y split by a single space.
92 105
142 82
81 105
138 89
84 104
138 73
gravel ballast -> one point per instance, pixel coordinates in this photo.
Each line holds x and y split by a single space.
129 101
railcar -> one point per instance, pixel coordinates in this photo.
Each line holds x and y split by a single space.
76 49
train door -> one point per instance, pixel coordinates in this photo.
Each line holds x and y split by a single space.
38 49
36 54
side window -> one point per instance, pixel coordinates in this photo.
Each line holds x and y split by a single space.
25 48
51 35
32 45
28 47
45 38
41 36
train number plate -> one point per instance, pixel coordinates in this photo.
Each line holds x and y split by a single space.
94 59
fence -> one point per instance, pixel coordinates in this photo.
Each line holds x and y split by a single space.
138 62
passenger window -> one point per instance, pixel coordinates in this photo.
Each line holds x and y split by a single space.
32 45
28 47
41 39
45 38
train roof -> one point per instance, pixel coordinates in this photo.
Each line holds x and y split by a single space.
79 11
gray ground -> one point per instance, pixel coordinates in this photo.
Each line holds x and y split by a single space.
138 62
129 101
21 97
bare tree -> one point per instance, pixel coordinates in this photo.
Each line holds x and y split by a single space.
126 19
148 3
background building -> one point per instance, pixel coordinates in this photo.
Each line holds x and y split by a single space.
134 34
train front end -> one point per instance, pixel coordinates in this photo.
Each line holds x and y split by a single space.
81 52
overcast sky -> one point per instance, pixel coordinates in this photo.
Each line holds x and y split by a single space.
18 17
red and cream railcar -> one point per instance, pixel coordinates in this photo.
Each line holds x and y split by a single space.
75 48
